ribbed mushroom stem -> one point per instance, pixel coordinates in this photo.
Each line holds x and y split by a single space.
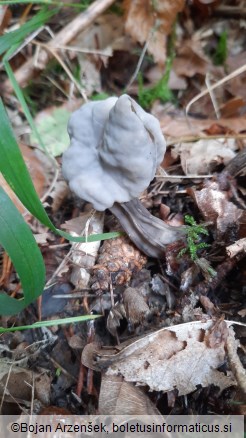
149 233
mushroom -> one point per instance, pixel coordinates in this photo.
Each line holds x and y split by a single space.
114 152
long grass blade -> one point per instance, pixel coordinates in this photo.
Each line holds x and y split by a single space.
18 241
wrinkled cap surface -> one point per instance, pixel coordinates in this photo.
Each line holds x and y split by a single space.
114 151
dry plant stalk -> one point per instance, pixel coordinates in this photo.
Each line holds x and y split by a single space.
234 360
28 70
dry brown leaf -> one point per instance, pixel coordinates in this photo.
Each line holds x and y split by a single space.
116 314
136 307
217 335
237 86
152 22
5 17
180 126
175 357
232 107
17 382
155 73
105 35
191 59
200 158
215 207
58 195
118 397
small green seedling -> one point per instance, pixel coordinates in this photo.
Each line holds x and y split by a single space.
159 91
221 51
194 232
193 236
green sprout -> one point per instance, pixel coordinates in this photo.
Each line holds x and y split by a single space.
221 51
194 232
193 236
160 90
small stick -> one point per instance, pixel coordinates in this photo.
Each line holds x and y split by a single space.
28 70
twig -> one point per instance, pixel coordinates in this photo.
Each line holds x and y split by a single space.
191 138
65 68
236 365
230 12
140 61
218 84
67 34
212 95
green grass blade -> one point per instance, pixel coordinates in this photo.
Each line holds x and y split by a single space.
21 99
18 241
14 170
47 2
17 36
53 322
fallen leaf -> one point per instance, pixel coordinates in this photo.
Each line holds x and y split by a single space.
190 59
237 86
215 207
5 17
232 107
200 158
118 397
175 357
116 314
151 21
217 335
17 382
104 36
136 307
154 74
176 125
52 127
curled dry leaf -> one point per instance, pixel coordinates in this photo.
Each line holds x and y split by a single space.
116 314
200 158
152 21
217 335
210 308
100 39
175 357
215 207
191 59
17 382
180 126
118 397
58 195
136 307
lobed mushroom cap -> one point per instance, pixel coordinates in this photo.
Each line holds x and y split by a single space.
114 151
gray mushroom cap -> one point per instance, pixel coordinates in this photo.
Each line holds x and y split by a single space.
114 151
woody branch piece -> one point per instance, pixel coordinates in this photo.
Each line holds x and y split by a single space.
28 70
